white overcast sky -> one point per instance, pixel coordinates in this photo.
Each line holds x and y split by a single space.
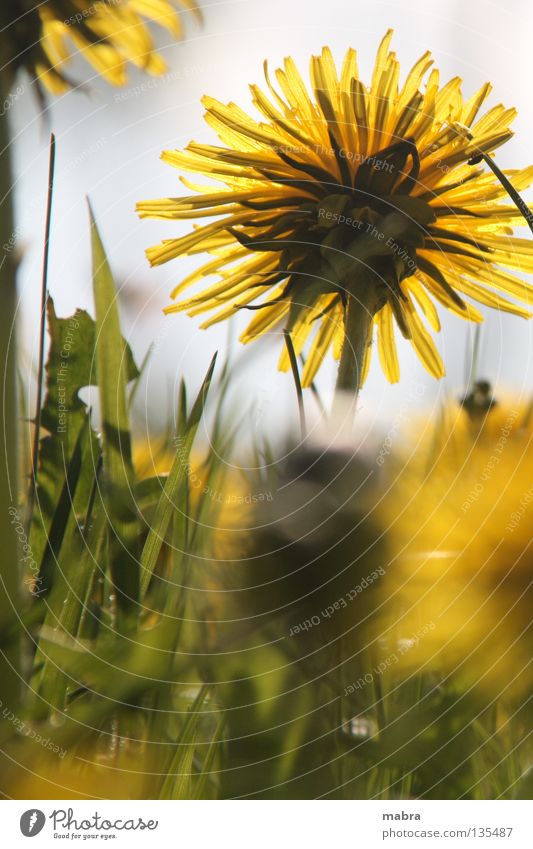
109 150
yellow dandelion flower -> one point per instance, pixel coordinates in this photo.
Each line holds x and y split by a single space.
459 520
351 195
109 34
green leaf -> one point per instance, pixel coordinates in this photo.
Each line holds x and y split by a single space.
112 367
118 669
70 367
63 415
78 561
177 476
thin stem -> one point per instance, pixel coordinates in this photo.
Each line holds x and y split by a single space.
297 382
316 394
9 517
520 204
44 298
340 723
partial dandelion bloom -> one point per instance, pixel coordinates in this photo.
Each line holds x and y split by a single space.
459 511
346 180
109 34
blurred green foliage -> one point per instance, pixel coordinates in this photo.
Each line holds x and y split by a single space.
172 653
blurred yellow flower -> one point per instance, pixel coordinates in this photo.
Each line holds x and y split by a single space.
356 193
459 516
82 775
221 499
109 34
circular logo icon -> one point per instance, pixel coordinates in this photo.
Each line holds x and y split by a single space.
32 822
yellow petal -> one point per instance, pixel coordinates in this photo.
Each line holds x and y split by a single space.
387 351
319 348
424 345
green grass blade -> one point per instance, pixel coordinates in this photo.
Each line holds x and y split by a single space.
178 782
182 407
136 383
114 371
207 766
177 475
111 363
62 515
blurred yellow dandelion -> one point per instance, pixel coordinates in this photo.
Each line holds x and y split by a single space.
109 34
459 517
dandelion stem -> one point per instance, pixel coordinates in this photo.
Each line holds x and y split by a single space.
361 307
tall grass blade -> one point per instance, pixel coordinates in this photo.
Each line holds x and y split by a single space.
178 782
177 476
113 375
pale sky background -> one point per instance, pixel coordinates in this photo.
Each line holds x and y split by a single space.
108 148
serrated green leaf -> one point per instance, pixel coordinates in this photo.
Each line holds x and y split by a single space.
70 367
